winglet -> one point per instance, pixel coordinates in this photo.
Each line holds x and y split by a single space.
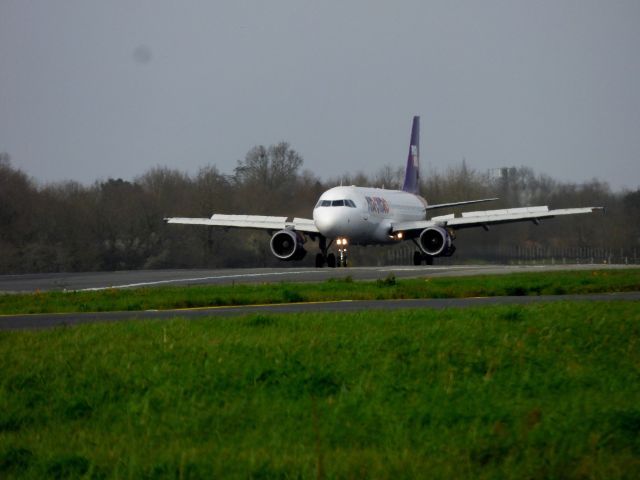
412 172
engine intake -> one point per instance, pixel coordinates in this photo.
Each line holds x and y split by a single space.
436 241
287 245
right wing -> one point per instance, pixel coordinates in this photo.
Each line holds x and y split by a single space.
260 222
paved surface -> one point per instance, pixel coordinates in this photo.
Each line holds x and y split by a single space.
14 322
150 278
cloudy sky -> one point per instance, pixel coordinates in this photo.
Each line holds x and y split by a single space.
91 90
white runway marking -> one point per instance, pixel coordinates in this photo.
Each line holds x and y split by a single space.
198 279
427 269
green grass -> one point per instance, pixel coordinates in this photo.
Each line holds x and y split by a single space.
544 283
542 391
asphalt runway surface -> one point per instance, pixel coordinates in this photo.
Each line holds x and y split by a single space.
156 278
48 320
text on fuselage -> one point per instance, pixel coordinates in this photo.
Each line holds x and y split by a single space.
377 205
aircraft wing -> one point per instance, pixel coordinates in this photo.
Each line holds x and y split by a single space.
491 217
250 221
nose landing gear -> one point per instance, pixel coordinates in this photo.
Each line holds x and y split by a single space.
342 251
330 259
342 257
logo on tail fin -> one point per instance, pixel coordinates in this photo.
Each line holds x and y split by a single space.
412 173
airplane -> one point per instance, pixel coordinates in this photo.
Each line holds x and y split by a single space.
351 215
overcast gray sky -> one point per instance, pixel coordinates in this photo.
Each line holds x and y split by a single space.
98 89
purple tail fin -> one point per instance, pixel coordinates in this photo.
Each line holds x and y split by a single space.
412 174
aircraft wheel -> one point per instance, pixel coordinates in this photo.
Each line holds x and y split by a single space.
331 260
417 258
320 260
428 260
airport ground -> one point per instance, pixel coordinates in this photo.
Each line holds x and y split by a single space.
152 278
506 387
545 390
168 294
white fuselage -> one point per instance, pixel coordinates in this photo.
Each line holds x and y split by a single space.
365 215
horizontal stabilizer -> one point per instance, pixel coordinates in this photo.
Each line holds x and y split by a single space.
455 204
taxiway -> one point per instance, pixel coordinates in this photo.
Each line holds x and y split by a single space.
48 320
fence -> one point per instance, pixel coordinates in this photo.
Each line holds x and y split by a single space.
519 255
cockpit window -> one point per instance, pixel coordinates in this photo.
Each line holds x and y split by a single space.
336 203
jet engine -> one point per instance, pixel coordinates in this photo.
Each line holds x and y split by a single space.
436 241
287 245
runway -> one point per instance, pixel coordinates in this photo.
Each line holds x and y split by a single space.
49 320
157 278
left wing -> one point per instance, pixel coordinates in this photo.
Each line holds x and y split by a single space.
490 217
260 222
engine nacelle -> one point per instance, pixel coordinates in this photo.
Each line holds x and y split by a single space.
287 245
436 241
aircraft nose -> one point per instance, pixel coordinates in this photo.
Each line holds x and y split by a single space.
326 221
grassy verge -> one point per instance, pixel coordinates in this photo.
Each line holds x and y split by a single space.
547 283
543 391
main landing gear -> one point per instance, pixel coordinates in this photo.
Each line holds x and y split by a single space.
419 257
332 260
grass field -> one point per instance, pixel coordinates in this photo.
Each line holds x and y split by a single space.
543 283
542 391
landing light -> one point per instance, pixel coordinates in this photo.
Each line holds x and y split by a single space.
341 241
399 236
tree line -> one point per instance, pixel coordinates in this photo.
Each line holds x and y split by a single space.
118 224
